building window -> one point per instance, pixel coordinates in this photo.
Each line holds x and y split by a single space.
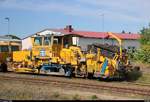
14 48
4 49
75 41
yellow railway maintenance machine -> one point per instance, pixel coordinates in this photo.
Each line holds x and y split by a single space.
7 46
49 57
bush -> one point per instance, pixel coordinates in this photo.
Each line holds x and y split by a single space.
143 54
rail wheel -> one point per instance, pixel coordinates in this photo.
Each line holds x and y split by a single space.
61 71
119 76
3 67
90 75
0 68
68 70
83 70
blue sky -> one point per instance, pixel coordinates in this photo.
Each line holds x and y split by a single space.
30 16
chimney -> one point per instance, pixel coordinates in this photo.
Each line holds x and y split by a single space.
69 28
123 31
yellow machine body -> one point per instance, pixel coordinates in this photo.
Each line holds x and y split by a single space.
20 56
101 64
94 65
70 59
71 55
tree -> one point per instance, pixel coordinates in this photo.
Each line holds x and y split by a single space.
143 54
145 36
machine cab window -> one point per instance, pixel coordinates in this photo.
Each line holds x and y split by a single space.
55 40
38 41
47 41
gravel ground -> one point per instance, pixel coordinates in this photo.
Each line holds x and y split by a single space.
145 68
18 90
78 80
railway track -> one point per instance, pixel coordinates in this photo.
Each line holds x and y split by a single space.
124 82
139 84
143 92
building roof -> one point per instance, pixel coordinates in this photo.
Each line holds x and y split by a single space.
92 34
13 36
8 38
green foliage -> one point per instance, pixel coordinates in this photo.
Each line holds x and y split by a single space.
145 36
143 54
131 54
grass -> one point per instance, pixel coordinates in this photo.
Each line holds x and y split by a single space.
13 90
145 78
93 97
23 91
56 94
76 97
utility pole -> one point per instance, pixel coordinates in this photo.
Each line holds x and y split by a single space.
9 46
7 18
103 25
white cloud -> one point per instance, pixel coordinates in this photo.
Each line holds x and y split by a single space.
122 10
129 9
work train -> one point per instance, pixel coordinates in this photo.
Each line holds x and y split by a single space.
49 55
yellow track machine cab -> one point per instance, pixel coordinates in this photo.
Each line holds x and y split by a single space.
31 60
49 57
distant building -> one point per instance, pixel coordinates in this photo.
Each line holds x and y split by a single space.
85 38
9 43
